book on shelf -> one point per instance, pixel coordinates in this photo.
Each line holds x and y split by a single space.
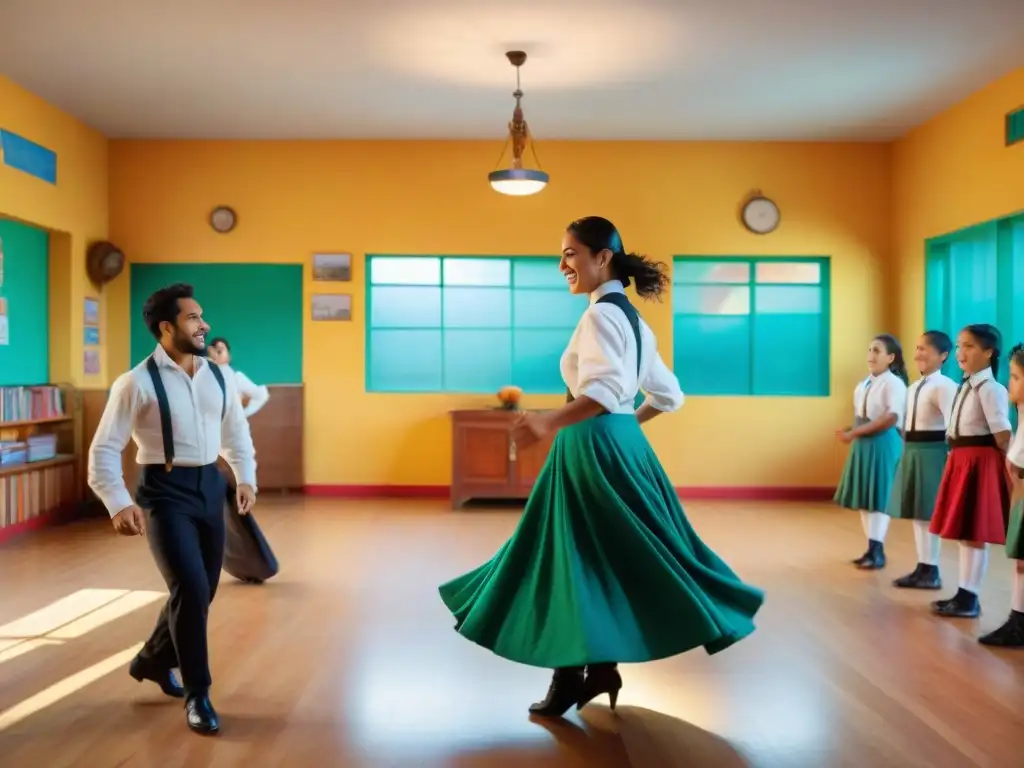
35 493
31 403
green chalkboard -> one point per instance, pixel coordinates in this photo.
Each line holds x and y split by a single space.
256 307
25 289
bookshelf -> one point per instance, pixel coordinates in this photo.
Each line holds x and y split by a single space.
41 466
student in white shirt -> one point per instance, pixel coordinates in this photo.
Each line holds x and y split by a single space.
182 413
1011 633
974 498
929 404
879 403
256 395
604 566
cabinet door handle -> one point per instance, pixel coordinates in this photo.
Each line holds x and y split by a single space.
511 450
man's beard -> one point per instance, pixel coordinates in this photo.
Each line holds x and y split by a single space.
188 345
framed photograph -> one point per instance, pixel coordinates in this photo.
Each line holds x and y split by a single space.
335 307
92 336
332 267
92 311
91 362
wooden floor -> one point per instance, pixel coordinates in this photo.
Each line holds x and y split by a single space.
348 657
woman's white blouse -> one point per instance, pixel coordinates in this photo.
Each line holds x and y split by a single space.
981 409
883 394
1016 452
933 397
600 361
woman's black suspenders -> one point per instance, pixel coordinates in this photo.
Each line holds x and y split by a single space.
620 301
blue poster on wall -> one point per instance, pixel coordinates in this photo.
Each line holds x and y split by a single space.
27 156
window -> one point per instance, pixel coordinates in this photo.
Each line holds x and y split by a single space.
740 323
467 324
976 275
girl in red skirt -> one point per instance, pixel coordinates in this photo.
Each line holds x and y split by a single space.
974 497
1011 634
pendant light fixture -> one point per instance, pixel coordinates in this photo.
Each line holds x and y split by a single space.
518 180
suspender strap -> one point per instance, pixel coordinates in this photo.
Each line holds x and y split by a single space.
165 412
218 374
164 406
620 301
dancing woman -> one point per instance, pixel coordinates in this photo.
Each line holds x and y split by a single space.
604 567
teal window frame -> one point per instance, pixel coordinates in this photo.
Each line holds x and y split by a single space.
539 377
976 275
742 377
1015 127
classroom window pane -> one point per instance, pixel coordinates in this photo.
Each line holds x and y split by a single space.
477 361
788 272
540 272
405 361
711 300
790 355
547 308
734 338
405 270
463 271
477 307
473 332
973 279
712 354
787 300
537 357
405 307
705 271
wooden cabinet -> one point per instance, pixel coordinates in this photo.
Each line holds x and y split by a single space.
486 464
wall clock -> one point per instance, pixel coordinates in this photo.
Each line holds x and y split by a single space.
760 215
223 219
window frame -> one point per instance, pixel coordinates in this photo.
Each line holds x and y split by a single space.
824 285
511 328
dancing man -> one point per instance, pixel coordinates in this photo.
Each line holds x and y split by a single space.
182 413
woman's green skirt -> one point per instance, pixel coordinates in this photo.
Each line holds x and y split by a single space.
1015 531
604 566
870 469
918 477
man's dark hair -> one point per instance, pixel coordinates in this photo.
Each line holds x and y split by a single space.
162 306
219 340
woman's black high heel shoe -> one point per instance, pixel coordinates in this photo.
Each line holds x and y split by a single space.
601 678
564 691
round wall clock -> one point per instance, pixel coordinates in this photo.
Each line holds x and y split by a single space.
760 215
223 219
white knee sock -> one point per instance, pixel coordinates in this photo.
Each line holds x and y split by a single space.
865 522
973 564
928 544
878 526
1018 592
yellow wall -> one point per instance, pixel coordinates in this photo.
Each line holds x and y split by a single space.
294 198
950 173
75 210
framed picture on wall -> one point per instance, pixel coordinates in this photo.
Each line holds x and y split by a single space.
92 336
91 362
332 307
92 311
332 267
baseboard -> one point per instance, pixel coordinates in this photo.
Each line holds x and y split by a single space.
720 493
60 515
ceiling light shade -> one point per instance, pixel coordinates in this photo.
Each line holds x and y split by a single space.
518 181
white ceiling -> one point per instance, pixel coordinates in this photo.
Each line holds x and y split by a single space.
598 69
